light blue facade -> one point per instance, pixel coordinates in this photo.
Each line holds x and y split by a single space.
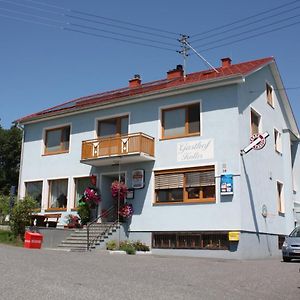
225 122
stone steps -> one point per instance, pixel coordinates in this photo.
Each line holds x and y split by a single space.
77 241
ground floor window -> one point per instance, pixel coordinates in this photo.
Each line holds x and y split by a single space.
34 190
190 240
80 185
58 191
185 185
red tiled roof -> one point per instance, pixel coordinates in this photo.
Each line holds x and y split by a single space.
151 87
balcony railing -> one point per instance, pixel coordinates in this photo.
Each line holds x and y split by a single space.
124 145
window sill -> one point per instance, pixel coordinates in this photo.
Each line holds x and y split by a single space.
281 214
206 201
271 104
55 209
55 153
278 152
179 137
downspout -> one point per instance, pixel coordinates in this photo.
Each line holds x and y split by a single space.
19 126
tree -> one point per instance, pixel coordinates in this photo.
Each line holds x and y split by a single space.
10 152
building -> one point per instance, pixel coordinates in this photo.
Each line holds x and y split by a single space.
174 140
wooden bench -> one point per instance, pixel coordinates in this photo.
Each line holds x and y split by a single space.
46 220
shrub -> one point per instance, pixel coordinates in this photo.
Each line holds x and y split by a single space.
20 216
84 213
139 246
111 245
4 208
127 247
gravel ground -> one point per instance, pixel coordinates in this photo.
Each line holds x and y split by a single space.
49 274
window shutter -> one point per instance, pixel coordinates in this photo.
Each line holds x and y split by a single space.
168 181
196 179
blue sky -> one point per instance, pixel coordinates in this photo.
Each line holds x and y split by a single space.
42 65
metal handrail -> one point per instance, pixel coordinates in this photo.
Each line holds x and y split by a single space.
104 214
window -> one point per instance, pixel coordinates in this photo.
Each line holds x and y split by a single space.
181 121
80 185
114 126
277 141
269 93
58 191
280 203
255 122
34 190
191 240
57 140
187 185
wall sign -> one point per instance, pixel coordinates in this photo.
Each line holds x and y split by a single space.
226 184
234 236
130 194
138 179
203 149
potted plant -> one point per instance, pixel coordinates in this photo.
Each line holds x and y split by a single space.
73 221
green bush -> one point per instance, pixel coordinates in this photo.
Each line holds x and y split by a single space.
7 237
21 215
127 247
111 245
84 213
4 208
139 246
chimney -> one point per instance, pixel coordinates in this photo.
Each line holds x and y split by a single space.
135 81
175 73
226 62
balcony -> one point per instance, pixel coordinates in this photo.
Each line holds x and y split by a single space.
131 148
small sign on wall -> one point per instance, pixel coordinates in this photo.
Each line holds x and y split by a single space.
234 236
138 179
226 184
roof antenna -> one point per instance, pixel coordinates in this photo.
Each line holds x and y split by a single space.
185 45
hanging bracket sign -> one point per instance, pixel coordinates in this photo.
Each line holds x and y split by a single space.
257 142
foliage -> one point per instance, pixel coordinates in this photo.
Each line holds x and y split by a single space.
111 245
20 216
127 247
119 190
84 212
4 208
7 237
139 246
126 211
10 152
73 221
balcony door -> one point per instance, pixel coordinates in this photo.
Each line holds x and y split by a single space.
113 127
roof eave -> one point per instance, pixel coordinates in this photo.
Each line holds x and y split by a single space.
185 88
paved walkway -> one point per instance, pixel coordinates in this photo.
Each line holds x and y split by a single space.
48 274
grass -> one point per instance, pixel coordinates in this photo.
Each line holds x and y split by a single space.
6 237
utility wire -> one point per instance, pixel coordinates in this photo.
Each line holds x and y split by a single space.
30 21
117 39
124 22
31 7
116 26
247 24
121 34
247 31
46 4
244 19
31 15
251 36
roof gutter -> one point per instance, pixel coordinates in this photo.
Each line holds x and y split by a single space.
186 88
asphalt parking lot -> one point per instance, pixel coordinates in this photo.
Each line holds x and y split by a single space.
49 274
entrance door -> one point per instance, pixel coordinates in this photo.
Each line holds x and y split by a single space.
107 200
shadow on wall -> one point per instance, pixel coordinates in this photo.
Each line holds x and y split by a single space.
251 199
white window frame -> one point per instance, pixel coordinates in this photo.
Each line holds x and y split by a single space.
277 141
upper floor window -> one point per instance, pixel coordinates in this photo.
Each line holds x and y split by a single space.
57 140
185 185
255 122
269 93
34 190
181 121
277 141
113 126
